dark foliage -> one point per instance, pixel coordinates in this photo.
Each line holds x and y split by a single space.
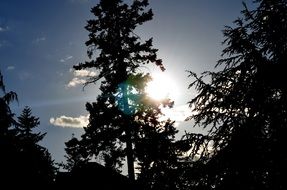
123 119
35 161
8 140
23 162
92 174
244 106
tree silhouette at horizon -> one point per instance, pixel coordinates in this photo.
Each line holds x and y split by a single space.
123 113
23 162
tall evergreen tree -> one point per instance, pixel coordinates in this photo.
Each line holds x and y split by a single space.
23 162
244 105
35 162
6 120
157 155
122 109
27 123
8 141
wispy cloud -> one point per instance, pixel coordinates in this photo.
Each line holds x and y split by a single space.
4 28
68 57
10 67
78 77
75 81
84 73
73 122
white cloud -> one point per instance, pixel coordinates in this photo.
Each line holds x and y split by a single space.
68 57
84 73
75 81
11 67
78 77
74 122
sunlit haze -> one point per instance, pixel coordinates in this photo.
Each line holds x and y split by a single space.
161 87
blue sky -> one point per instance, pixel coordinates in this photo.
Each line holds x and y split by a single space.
40 41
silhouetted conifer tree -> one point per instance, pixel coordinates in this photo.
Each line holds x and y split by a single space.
8 141
75 154
35 162
122 115
23 162
244 105
6 120
157 154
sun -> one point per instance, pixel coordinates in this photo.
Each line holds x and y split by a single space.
161 87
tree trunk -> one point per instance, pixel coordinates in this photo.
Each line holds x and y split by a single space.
129 146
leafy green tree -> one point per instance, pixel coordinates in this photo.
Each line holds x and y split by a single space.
244 105
116 52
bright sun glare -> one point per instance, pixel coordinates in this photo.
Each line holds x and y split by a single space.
161 86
